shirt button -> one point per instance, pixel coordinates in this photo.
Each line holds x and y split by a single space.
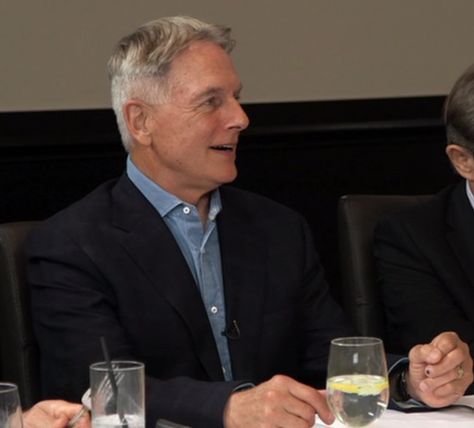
214 309
186 210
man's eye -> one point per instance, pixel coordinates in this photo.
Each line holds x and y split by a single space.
212 102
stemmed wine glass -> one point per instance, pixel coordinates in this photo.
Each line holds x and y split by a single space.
10 409
357 382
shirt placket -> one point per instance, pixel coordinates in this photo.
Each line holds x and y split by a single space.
211 292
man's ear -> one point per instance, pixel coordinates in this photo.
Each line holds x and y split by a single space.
136 114
462 160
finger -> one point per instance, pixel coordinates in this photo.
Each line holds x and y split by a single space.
60 410
324 393
68 409
52 407
314 398
431 384
447 389
444 395
453 382
74 420
60 422
288 420
84 422
449 363
306 393
300 409
446 341
423 354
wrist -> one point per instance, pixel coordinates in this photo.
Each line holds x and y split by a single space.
400 390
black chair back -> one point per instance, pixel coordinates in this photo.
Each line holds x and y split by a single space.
357 218
19 356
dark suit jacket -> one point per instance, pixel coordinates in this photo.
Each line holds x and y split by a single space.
108 265
425 261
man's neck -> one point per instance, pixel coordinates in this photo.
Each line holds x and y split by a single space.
203 208
194 196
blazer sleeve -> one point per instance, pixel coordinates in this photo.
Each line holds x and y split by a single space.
417 300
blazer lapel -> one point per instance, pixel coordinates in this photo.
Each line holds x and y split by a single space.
149 242
243 266
460 235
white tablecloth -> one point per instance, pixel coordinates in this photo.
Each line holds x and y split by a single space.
450 417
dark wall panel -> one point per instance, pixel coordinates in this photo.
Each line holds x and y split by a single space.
304 155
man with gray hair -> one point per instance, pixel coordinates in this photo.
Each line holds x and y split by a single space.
217 290
425 254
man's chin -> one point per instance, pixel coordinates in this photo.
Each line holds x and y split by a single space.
228 178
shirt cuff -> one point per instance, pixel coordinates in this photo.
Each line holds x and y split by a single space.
410 405
243 387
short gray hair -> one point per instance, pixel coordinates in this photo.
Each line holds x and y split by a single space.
140 61
459 111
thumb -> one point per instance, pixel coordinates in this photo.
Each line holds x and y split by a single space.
60 422
425 354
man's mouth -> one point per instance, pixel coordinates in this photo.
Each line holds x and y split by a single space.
223 147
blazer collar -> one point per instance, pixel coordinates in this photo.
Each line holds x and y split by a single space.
148 240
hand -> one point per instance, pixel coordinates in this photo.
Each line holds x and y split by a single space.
280 402
441 371
54 414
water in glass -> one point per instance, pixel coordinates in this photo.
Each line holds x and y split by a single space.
357 384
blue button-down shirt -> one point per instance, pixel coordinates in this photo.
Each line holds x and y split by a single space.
200 246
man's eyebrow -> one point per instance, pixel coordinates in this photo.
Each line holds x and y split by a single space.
208 92
214 90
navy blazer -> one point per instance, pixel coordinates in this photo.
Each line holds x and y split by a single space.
108 265
425 261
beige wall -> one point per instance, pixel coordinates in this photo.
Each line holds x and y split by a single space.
53 52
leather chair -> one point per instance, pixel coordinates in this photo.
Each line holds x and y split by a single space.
19 356
357 218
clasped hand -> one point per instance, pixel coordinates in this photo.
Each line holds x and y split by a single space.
441 371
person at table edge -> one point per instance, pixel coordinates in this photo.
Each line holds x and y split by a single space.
217 290
425 253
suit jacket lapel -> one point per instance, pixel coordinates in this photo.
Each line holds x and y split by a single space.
149 242
460 218
243 266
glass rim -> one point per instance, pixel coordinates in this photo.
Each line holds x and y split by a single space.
356 341
123 365
8 387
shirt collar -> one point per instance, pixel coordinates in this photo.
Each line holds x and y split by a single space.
470 195
163 201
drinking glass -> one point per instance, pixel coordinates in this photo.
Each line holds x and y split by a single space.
10 409
357 382
117 394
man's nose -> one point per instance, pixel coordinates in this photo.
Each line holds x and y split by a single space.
240 119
